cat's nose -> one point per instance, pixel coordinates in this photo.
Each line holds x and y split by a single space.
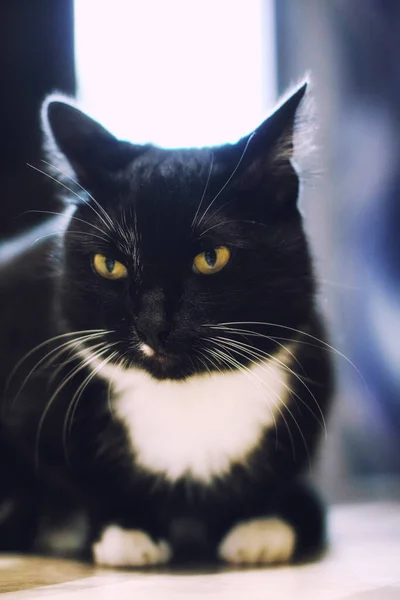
154 337
151 323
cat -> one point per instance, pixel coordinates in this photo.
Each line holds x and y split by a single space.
164 367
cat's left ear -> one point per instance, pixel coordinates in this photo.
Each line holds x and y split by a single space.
89 148
267 154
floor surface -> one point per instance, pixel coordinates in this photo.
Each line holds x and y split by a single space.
363 564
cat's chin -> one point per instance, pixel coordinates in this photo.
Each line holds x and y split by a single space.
162 366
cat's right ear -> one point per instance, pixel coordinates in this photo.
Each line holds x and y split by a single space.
88 147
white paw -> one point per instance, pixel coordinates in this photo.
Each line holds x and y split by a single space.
129 548
261 541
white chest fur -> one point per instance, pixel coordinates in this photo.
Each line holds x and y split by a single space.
199 426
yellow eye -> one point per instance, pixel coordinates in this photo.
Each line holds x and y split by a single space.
211 261
109 268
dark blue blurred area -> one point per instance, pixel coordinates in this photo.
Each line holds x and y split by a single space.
351 48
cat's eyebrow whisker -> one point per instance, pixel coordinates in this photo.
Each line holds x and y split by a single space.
203 233
72 192
69 190
51 212
236 221
55 180
126 235
244 350
100 237
60 233
228 180
216 212
204 191
101 208
42 237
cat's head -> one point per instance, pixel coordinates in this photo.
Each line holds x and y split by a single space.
179 253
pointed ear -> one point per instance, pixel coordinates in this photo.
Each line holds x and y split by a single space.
278 131
272 144
268 151
88 147
262 162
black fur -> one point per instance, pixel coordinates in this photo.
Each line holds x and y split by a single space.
249 193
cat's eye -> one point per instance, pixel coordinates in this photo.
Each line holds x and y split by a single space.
109 268
211 261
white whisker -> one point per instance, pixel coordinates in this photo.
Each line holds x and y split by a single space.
228 180
107 238
299 331
74 193
70 414
247 355
228 359
219 224
49 404
204 191
281 413
89 332
260 354
103 211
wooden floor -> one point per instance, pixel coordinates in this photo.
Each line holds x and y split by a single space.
363 563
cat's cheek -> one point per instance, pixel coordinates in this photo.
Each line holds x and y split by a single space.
260 541
119 547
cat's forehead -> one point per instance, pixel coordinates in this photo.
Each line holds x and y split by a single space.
170 175
164 202
168 190
165 206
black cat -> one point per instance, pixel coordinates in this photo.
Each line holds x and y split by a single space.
163 364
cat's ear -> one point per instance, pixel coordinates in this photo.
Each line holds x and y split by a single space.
267 154
88 147
275 137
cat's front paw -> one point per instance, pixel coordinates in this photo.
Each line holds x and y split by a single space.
260 541
129 548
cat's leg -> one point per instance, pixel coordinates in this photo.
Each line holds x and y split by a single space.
118 547
295 530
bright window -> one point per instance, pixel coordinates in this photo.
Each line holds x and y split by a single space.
176 72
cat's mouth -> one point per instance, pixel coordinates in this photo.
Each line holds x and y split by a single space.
157 355
162 364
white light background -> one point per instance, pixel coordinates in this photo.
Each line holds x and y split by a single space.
176 72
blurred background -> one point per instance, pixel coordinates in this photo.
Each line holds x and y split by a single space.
207 71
